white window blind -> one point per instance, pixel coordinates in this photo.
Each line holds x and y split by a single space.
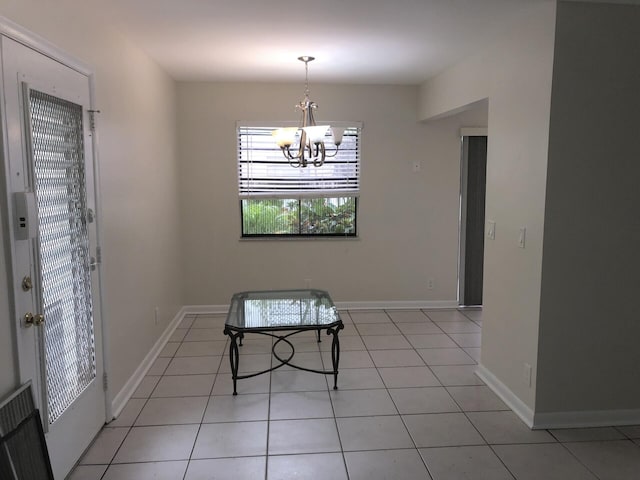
263 171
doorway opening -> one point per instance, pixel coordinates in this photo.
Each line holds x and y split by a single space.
473 183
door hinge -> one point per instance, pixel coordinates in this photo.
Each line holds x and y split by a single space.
92 119
97 260
105 381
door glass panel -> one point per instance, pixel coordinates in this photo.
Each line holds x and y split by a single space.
59 179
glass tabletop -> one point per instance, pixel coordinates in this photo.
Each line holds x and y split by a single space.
282 309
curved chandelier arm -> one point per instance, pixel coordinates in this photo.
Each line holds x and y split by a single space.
296 163
331 155
336 134
298 159
308 152
318 158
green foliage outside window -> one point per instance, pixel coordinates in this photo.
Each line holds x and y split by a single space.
334 216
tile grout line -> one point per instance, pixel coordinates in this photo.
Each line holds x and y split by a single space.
195 440
575 456
335 419
210 400
133 422
266 452
429 472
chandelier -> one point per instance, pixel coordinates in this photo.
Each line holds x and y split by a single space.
309 137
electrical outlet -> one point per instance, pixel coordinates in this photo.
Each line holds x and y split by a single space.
431 284
307 283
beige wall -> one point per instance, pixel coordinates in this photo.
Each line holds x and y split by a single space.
140 200
407 221
515 75
589 358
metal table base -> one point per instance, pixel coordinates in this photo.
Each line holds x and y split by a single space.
238 335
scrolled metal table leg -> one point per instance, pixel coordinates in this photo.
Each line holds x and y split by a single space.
234 355
335 352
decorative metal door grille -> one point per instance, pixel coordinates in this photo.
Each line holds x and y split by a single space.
57 147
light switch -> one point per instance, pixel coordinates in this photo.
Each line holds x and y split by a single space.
522 237
491 230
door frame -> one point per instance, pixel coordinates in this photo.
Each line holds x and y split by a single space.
462 217
35 42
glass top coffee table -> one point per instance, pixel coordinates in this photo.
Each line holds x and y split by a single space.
281 314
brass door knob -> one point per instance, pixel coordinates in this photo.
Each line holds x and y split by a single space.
38 319
28 319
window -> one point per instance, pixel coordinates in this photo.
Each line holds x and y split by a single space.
278 200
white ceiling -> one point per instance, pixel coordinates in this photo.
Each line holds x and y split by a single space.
354 41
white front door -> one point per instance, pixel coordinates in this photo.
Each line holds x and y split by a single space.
51 197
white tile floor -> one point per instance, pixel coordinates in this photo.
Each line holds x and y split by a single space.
409 407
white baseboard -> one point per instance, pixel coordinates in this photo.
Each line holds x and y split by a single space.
123 396
507 396
586 419
397 305
206 309
570 419
381 305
